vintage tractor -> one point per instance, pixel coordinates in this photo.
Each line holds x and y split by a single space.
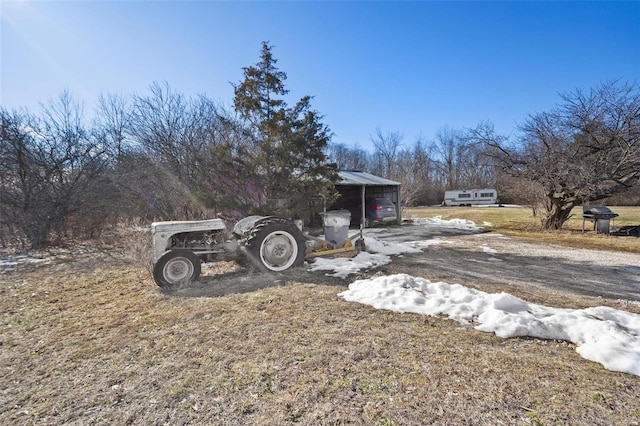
271 243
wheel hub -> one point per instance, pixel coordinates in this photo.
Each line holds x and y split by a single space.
178 269
277 250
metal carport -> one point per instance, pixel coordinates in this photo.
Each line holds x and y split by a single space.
356 183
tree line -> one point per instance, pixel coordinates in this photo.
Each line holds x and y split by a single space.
424 168
164 156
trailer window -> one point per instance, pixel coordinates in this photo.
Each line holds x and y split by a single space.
464 195
486 194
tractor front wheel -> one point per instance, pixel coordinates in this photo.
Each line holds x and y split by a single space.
176 267
276 246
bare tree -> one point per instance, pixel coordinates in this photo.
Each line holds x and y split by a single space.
349 158
386 150
412 186
168 127
452 151
584 150
113 123
476 168
417 174
49 168
160 123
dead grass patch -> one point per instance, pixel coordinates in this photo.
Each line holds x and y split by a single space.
102 345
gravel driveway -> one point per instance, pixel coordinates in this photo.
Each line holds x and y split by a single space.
490 260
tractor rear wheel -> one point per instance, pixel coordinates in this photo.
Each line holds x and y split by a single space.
176 267
276 246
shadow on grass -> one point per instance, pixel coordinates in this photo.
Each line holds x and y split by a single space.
246 280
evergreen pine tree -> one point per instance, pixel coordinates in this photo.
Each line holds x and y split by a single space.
290 146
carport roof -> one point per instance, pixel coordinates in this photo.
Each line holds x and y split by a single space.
357 177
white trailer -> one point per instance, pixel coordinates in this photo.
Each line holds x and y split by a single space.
470 197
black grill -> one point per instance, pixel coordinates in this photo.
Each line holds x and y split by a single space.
600 216
598 212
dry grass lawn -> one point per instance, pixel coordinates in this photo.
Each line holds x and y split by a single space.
520 222
91 340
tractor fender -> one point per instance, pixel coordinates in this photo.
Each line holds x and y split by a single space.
244 226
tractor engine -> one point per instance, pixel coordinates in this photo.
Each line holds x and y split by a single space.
211 245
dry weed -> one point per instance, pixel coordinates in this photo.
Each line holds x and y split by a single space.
135 241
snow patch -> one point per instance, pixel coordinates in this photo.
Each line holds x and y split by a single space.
605 335
451 223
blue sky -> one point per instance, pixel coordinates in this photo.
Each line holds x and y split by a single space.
408 67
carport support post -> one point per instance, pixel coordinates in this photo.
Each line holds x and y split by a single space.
364 209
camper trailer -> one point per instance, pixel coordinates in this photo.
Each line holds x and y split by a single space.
470 197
